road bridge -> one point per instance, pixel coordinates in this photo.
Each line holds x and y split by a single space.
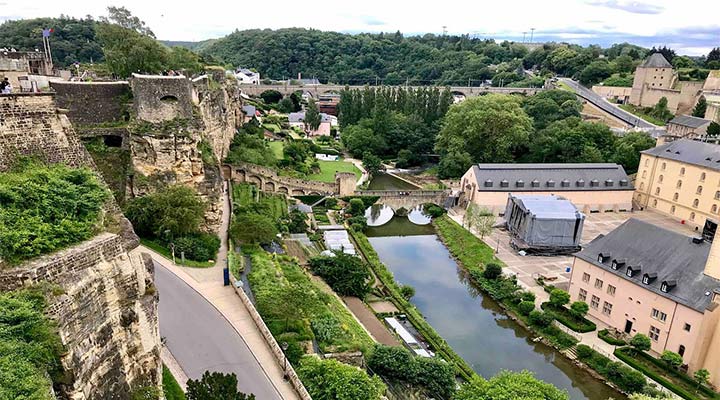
317 90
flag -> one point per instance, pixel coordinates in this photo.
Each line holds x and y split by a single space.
47 32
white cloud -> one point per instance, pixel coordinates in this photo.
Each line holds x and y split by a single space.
580 19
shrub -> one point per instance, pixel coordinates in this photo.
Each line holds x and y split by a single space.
578 309
357 207
640 342
358 223
527 296
331 202
559 297
331 379
539 318
435 376
672 360
584 351
492 271
253 228
394 363
433 210
46 208
566 317
168 213
525 307
346 274
407 291
197 246
325 327
605 336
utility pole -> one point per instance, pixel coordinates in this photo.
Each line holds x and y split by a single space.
532 32
524 33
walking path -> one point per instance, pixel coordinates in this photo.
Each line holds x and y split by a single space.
365 176
371 323
208 282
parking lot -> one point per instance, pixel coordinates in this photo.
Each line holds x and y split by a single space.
555 268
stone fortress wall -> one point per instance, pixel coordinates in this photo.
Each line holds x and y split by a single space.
107 312
268 180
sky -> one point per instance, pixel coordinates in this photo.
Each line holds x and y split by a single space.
691 27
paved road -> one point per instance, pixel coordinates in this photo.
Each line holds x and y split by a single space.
604 105
201 339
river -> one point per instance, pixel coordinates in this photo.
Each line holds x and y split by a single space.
471 323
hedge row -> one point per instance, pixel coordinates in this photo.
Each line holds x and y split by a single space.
413 315
607 338
563 315
626 378
625 354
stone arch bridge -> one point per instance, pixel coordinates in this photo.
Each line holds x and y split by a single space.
409 199
317 90
268 180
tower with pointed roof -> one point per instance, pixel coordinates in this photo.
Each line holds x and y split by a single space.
654 73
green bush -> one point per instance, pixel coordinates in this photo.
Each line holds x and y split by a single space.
433 210
584 351
435 376
492 271
559 297
197 246
44 208
627 379
347 275
606 337
168 213
672 360
540 319
525 307
333 380
566 317
331 202
407 291
527 296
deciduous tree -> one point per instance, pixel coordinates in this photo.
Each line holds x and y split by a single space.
640 342
215 386
332 380
510 386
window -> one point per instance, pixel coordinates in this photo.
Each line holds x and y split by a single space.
699 190
662 167
713 209
582 295
681 350
717 195
607 308
672 210
659 315
657 191
655 203
642 185
696 203
692 216
682 171
687 327
654 333
660 179
598 284
586 277
647 161
611 290
595 302
702 177
679 184
675 197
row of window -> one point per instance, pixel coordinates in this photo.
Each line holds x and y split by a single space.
599 284
595 302
663 166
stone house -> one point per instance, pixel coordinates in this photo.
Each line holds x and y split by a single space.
642 278
590 187
685 127
681 179
327 123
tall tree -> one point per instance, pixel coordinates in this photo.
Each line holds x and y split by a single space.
127 52
312 116
215 386
700 107
123 17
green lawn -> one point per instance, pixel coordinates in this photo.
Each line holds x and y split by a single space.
165 252
171 388
328 169
471 251
315 314
277 148
638 111
274 128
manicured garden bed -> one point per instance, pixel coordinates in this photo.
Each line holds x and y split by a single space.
608 338
676 381
627 379
563 315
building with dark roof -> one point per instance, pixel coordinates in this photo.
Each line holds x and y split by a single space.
681 179
642 278
591 187
685 127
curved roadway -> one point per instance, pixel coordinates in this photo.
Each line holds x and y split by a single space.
609 108
201 339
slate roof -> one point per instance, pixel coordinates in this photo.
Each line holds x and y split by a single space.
689 121
551 177
656 60
249 110
297 117
669 255
689 151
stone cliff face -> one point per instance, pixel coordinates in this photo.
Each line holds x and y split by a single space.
107 310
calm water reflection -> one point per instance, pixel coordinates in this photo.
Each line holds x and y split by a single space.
472 324
380 214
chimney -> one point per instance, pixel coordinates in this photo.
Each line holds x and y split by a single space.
712 265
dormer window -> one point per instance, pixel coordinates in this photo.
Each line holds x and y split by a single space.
623 182
535 183
488 183
603 257
580 183
594 183
617 264
551 183
648 278
504 183
667 286
520 183
609 183
632 270
565 183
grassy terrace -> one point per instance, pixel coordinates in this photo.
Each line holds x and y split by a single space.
328 169
277 148
296 308
638 112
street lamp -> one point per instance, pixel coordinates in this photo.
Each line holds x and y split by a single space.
284 346
172 245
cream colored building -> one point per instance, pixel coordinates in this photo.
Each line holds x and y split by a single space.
642 278
685 127
590 187
681 179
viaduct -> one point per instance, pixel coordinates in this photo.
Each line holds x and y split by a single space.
317 90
